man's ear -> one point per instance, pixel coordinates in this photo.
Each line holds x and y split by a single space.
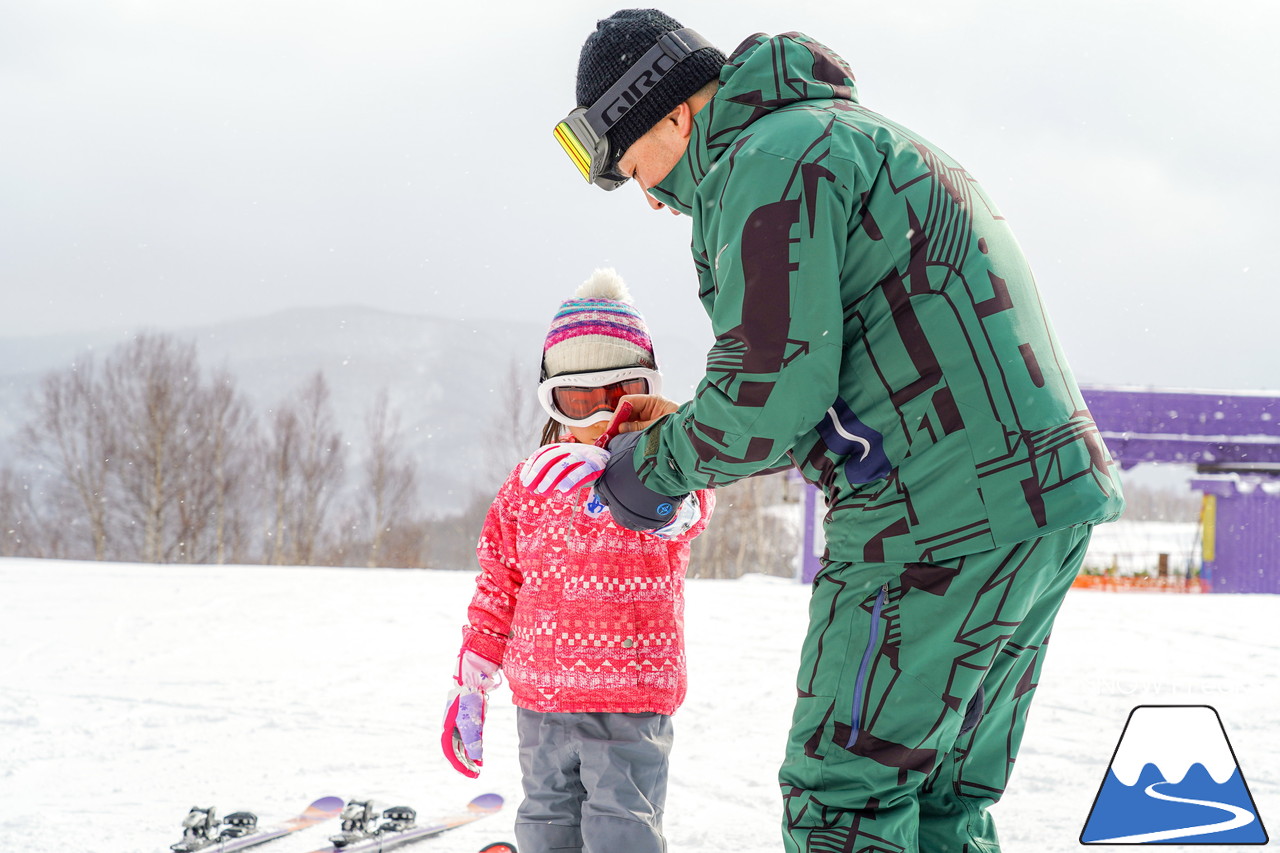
682 116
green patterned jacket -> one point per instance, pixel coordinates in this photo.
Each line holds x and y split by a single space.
876 325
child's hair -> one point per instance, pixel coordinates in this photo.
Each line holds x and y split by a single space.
551 432
598 329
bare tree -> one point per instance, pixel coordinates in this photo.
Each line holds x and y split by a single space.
306 458
408 544
15 515
390 481
142 458
188 537
513 433
152 386
320 466
228 442
748 532
70 432
280 450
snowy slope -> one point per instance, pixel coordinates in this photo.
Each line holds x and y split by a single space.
130 693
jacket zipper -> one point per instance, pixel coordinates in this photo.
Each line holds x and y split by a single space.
859 686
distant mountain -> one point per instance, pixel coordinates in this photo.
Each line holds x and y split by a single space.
447 379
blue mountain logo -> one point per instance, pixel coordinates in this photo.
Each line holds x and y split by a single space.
1174 779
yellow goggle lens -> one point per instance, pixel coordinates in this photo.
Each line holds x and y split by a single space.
574 148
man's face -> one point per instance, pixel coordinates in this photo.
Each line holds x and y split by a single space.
652 157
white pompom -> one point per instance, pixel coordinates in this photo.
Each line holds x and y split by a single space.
604 284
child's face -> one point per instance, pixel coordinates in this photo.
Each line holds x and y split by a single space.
589 434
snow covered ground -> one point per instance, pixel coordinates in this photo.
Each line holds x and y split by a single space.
130 693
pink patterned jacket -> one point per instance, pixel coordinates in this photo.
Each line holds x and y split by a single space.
584 615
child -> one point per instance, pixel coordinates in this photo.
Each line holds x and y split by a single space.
584 617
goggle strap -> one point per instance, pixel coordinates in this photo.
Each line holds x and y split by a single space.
642 76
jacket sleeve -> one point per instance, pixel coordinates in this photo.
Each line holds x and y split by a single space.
775 239
492 607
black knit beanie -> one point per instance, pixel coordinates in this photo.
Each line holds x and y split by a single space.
621 39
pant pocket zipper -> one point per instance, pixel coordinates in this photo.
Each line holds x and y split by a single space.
864 668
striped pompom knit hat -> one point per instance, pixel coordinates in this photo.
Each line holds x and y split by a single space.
598 329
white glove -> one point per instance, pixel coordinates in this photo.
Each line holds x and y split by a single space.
686 517
476 671
564 466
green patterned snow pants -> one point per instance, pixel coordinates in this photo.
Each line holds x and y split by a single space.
914 685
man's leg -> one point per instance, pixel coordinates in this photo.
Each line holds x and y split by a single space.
832 798
886 680
955 799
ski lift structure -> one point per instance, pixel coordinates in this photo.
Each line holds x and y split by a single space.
1232 438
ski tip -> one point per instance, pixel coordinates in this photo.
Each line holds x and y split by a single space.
486 803
327 805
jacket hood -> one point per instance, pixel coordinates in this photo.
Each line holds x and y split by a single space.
764 74
767 73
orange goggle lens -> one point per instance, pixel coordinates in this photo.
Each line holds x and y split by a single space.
577 403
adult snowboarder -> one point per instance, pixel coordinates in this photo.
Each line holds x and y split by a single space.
878 327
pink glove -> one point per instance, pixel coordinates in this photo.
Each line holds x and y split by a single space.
463 739
564 466
476 671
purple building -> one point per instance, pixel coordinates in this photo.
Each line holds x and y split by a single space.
1233 439
1241 532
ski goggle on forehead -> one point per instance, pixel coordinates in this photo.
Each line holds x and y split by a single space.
582 133
582 399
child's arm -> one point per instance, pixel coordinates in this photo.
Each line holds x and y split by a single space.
489 616
485 636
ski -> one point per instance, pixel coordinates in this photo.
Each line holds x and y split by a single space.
365 830
203 831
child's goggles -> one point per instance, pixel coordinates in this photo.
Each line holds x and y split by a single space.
582 399
582 134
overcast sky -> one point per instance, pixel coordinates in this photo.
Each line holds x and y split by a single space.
176 162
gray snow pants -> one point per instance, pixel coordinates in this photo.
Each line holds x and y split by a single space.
593 783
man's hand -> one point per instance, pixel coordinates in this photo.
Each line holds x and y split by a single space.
645 409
